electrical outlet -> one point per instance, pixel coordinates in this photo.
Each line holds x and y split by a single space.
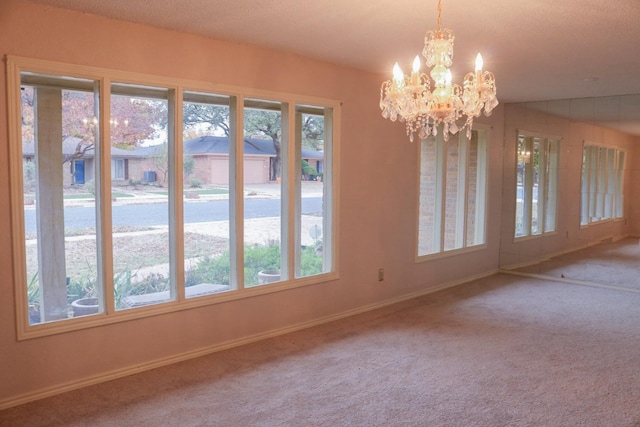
380 274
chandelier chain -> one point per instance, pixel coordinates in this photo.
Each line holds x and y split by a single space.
439 13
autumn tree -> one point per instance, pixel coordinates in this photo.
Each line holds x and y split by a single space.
133 120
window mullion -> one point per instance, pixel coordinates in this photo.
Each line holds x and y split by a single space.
103 198
236 190
289 176
176 186
295 188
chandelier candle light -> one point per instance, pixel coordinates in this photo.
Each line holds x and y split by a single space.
423 110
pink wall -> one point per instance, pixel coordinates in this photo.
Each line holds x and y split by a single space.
378 198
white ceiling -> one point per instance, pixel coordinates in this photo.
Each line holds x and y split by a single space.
537 49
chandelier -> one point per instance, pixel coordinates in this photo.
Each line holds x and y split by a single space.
412 101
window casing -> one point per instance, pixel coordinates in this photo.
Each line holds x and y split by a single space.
127 270
602 196
453 197
536 184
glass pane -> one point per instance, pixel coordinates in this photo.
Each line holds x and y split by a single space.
611 183
429 222
602 182
551 192
206 194
140 195
264 166
535 199
523 157
60 208
619 185
584 195
593 182
476 173
454 194
310 258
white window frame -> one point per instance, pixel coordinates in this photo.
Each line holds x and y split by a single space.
17 65
548 158
602 184
460 244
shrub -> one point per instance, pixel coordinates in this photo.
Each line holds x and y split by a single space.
195 183
256 258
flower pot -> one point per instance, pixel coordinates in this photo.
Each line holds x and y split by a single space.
268 276
85 306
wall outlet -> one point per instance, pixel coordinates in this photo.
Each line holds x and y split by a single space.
380 274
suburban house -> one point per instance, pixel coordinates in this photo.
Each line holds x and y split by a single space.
211 160
79 161
210 155
377 219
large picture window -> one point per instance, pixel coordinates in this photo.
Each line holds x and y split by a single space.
537 184
453 180
139 195
602 194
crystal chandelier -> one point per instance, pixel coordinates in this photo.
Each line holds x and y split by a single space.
422 109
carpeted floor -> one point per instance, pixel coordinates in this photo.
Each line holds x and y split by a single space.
608 264
502 351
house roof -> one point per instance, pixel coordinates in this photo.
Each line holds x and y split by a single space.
198 146
252 146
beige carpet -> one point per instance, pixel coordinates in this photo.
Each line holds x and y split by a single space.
502 351
615 264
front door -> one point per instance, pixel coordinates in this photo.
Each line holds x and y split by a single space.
79 172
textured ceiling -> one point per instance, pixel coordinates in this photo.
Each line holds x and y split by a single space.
537 49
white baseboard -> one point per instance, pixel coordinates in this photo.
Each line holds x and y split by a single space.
153 364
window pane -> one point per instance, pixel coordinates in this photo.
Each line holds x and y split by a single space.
476 189
265 165
314 134
139 137
206 164
619 185
551 190
584 199
429 220
611 183
454 194
593 183
524 156
60 209
536 218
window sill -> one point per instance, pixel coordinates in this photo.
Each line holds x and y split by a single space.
450 253
27 331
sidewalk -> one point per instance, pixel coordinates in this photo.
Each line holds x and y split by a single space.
160 195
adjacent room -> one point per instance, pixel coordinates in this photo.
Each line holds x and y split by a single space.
242 213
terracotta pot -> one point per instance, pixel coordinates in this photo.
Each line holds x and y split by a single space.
85 306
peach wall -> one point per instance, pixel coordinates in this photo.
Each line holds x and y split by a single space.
569 235
378 199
